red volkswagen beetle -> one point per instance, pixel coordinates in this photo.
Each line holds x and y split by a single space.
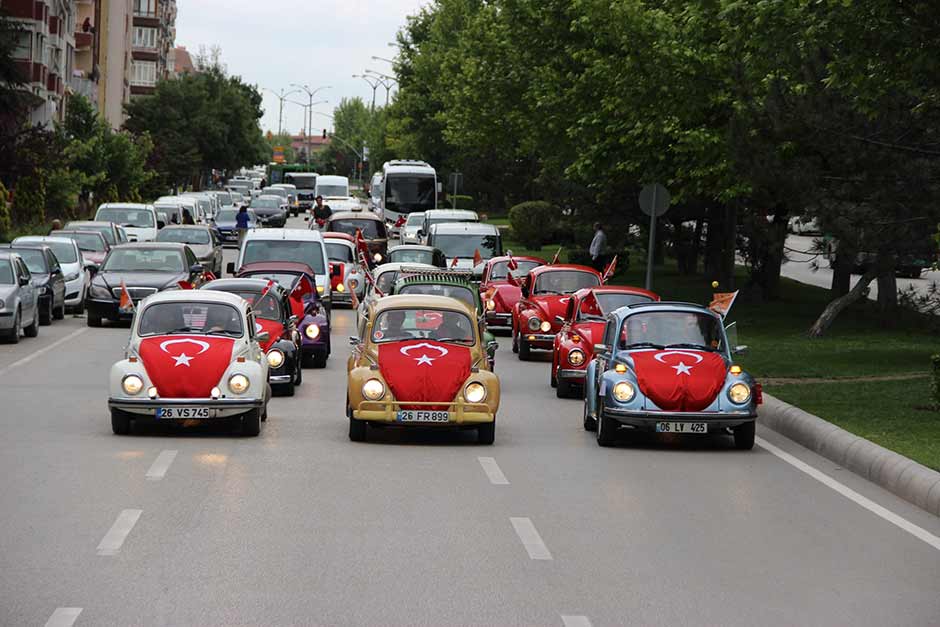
583 326
545 295
499 296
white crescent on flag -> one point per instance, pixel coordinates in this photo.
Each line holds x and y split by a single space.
183 359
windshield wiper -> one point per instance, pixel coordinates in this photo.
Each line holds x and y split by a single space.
180 330
690 345
227 333
449 339
644 345
547 292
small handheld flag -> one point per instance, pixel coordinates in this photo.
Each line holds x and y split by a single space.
609 270
555 258
722 302
126 304
477 257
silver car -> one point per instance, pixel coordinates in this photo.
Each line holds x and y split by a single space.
73 267
19 298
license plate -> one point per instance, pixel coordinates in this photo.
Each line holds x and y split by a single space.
420 415
183 412
681 427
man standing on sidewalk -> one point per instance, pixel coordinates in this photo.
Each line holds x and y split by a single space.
598 249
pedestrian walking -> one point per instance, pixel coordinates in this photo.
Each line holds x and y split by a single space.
598 249
241 224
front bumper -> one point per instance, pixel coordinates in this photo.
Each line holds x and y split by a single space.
219 408
461 413
75 291
544 341
643 420
570 375
498 319
6 320
106 309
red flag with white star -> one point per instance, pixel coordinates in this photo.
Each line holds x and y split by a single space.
424 370
185 366
680 380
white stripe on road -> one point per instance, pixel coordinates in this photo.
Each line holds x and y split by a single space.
852 495
112 541
161 465
43 350
64 617
575 621
491 468
531 539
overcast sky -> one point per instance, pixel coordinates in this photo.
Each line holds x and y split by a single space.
274 43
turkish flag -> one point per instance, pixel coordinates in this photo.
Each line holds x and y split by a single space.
274 328
186 366
400 222
555 258
209 275
453 263
424 371
477 257
185 285
680 380
362 246
609 270
125 305
513 265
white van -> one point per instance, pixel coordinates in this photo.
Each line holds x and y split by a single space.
335 192
139 220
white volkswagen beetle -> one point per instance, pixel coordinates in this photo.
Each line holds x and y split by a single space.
192 355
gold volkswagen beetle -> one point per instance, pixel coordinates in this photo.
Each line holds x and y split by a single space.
421 361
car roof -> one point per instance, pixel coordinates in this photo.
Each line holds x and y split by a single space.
398 265
441 277
90 223
562 266
45 238
332 178
152 245
467 228
450 213
411 247
244 284
277 197
187 227
284 234
336 235
401 301
277 266
124 205
617 289
354 215
658 306
197 295
83 232
502 258
29 245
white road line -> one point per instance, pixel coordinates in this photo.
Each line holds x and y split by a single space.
112 541
64 617
43 350
531 539
852 495
160 465
491 468
575 621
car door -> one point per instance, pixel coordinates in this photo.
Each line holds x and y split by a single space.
56 279
29 295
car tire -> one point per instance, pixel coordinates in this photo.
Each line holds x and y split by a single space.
564 390
486 432
251 423
552 379
357 429
59 313
14 336
33 329
283 389
744 436
525 353
298 375
45 314
515 341
590 424
93 320
606 428
319 359
120 422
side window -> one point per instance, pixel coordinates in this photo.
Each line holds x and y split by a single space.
190 257
570 310
53 262
24 271
610 332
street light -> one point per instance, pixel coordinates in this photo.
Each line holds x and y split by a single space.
280 111
310 93
373 83
307 128
375 58
385 80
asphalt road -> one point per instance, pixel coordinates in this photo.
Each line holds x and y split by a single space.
303 527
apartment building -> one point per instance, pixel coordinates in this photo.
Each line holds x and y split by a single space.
113 31
154 35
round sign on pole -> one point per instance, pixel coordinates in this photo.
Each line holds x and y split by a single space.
654 200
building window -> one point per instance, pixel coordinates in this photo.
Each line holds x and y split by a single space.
144 73
147 8
23 49
145 37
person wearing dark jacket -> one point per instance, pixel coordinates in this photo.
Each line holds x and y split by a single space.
241 223
321 212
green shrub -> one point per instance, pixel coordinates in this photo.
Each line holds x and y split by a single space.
533 222
462 202
29 200
6 222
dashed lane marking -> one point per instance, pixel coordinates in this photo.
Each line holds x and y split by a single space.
113 540
492 470
43 350
530 538
64 617
575 621
160 465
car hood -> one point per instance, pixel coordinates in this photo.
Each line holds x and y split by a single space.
158 280
505 295
551 305
201 250
588 332
266 211
6 291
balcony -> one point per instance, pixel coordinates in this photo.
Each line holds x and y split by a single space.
83 41
24 9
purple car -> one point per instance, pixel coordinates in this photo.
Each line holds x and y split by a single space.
314 325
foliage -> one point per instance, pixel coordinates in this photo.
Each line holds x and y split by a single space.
352 120
935 380
6 222
532 222
29 200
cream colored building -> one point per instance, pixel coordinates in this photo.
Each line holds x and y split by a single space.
114 61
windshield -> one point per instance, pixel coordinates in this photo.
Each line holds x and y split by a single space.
265 203
276 191
386 280
143 260
671 329
371 229
500 269
6 273
64 251
266 307
91 242
407 193
301 181
226 215
411 256
139 218
415 219
460 292
184 236
341 191
466 245
435 324
35 260
184 318
307 252
104 229
564 281
610 302
450 219
224 198
339 252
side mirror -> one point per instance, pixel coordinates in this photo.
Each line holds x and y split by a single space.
739 350
24 281
263 337
294 320
559 319
91 268
354 340
160 224
525 291
230 268
600 348
492 346
306 218
197 268
420 233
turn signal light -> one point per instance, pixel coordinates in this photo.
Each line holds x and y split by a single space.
575 338
620 368
132 359
735 369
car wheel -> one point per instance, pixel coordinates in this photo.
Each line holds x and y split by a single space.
319 359
59 313
357 428
524 351
93 320
744 436
120 422
298 375
45 314
251 423
605 429
552 379
515 341
283 389
486 432
590 424
14 337
564 390
33 329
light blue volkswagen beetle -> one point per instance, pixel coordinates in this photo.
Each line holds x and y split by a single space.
667 368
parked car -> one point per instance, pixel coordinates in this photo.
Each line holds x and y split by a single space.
202 240
445 216
287 195
19 298
499 293
139 221
414 253
69 256
371 226
48 278
270 209
113 233
92 244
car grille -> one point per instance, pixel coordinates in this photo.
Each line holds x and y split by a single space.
136 293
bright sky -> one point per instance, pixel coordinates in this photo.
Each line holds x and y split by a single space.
315 42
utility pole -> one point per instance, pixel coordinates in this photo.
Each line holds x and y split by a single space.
310 93
386 81
308 127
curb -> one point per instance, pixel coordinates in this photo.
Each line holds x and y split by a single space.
895 473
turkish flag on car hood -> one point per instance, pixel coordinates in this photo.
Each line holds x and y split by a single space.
186 366
680 380
424 370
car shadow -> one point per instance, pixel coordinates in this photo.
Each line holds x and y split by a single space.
412 436
224 428
643 440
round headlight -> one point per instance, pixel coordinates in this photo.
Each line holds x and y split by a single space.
275 358
132 384
238 383
739 393
474 392
377 257
353 284
576 357
373 389
319 289
546 326
534 324
490 305
340 287
624 391
312 331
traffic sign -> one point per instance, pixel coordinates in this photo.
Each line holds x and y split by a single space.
654 200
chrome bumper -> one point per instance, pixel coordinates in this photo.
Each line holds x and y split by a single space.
221 408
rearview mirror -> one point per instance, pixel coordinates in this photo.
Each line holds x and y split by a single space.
559 319
197 268
600 348
263 337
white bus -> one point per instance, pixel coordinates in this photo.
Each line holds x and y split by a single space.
407 186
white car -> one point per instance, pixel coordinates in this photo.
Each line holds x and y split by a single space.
385 277
463 240
335 192
346 275
73 267
409 232
139 220
445 216
192 355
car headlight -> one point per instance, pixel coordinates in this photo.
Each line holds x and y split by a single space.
340 287
576 357
3 305
353 284
320 289
739 393
275 358
534 324
490 305
97 291
546 326
71 277
132 384
624 391
373 389
47 289
238 383
312 331
377 257
474 392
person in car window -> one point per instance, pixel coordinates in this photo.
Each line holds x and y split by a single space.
321 212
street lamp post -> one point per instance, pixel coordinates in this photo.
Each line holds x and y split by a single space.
386 81
310 93
357 153
280 111
307 128
373 83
